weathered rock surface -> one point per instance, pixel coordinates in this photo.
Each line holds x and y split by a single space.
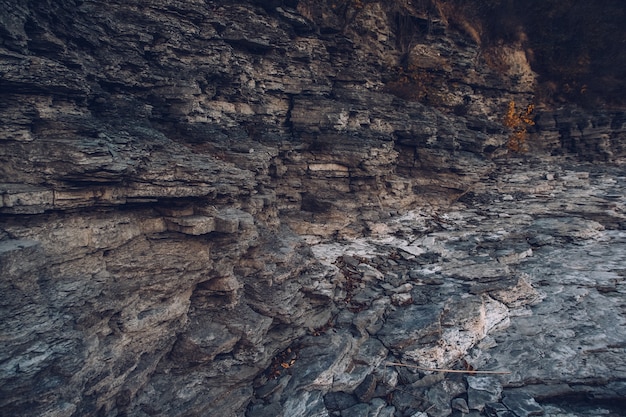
488 294
218 208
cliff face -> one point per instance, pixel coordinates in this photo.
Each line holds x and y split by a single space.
166 165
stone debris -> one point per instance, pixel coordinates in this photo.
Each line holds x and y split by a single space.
424 334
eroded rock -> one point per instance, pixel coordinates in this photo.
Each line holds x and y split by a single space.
241 209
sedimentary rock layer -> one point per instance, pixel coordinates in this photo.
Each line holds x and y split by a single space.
171 171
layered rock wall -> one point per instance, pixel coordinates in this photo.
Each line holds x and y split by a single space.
164 166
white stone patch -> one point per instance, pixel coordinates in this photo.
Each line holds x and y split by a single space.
455 342
327 253
328 167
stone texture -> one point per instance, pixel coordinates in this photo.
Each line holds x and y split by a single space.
207 208
482 390
522 404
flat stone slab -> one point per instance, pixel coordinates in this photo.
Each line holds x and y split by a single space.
522 404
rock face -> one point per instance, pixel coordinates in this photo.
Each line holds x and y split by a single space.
256 208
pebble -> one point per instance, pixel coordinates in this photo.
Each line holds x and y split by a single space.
460 404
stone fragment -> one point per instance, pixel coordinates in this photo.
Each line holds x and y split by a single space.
427 258
358 410
365 391
460 404
351 261
408 402
369 355
330 169
191 225
305 404
226 223
404 288
495 409
513 254
376 406
202 342
329 363
226 283
270 387
429 380
265 410
12 250
522 404
338 400
370 320
521 294
540 240
295 19
566 227
440 401
389 411
482 390
410 326
498 284
370 273
365 296
401 299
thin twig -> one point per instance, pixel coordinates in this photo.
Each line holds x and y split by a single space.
456 371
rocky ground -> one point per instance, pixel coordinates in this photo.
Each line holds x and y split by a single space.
521 277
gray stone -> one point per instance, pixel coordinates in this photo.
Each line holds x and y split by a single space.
498 410
369 273
389 411
460 404
482 390
440 402
409 326
401 299
358 410
365 391
522 404
540 240
305 404
429 380
351 261
408 402
376 406
262 410
337 400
